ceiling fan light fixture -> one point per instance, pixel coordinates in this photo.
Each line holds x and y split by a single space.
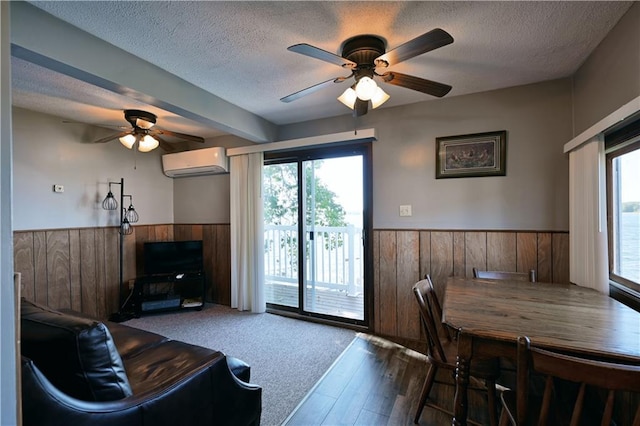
147 143
379 97
128 140
348 98
366 88
366 55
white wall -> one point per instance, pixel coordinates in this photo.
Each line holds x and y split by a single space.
205 199
47 151
202 199
532 196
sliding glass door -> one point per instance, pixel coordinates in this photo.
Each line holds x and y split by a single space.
315 220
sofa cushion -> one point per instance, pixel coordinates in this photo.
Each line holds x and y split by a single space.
131 341
76 354
166 364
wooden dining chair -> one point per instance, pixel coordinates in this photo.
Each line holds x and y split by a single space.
447 331
442 353
602 379
504 275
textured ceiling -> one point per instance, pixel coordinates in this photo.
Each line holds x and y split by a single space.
238 50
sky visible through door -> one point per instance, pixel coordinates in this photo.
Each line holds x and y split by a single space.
334 174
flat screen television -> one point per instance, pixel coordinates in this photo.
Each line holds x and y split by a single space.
172 257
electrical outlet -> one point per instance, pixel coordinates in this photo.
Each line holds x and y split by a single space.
132 283
58 188
405 210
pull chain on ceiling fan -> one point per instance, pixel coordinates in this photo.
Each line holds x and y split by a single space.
364 55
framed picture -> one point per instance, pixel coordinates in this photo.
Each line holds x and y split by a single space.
480 154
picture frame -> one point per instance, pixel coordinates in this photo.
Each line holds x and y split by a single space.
473 155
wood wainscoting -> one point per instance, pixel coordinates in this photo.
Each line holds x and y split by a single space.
78 268
402 257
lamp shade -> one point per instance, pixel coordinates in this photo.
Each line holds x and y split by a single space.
109 202
379 97
147 143
366 88
125 227
132 215
128 140
348 98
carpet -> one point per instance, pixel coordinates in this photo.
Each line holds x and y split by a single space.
287 356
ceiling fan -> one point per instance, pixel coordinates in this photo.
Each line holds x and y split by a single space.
365 56
144 135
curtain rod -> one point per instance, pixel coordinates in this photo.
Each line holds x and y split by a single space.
362 134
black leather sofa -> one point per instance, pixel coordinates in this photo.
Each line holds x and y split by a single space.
80 371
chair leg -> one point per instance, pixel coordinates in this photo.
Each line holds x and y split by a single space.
426 389
491 397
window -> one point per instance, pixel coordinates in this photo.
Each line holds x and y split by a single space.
623 193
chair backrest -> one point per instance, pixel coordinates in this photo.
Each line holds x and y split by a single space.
426 298
504 275
608 377
437 310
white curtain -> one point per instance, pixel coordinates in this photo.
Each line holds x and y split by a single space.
247 233
588 257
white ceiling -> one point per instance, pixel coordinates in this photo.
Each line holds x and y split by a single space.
237 51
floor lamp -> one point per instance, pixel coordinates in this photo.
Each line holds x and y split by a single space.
127 217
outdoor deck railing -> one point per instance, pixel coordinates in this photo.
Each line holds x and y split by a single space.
337 251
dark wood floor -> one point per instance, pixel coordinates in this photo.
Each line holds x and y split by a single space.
377 382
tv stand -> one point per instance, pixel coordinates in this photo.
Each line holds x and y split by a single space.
167 292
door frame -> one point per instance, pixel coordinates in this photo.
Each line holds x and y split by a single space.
327 152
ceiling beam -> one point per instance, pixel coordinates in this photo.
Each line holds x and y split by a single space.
44 40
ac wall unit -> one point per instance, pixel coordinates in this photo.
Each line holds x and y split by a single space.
207 161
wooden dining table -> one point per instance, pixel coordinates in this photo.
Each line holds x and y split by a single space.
491 314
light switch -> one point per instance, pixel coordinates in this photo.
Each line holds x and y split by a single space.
405 210
58 188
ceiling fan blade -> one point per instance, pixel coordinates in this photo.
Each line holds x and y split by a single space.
426 42
109 126
183 136
360 107
323 55
166 146
112 137
416 83
300 93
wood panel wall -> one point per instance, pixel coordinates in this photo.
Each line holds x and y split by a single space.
69 268
79 268
402 257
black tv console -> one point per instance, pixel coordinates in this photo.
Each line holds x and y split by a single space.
156 293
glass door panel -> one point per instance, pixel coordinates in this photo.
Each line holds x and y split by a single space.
280 194
333 249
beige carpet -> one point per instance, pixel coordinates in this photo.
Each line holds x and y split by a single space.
287 356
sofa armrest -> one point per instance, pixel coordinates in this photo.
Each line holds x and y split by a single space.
78 355
211 395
